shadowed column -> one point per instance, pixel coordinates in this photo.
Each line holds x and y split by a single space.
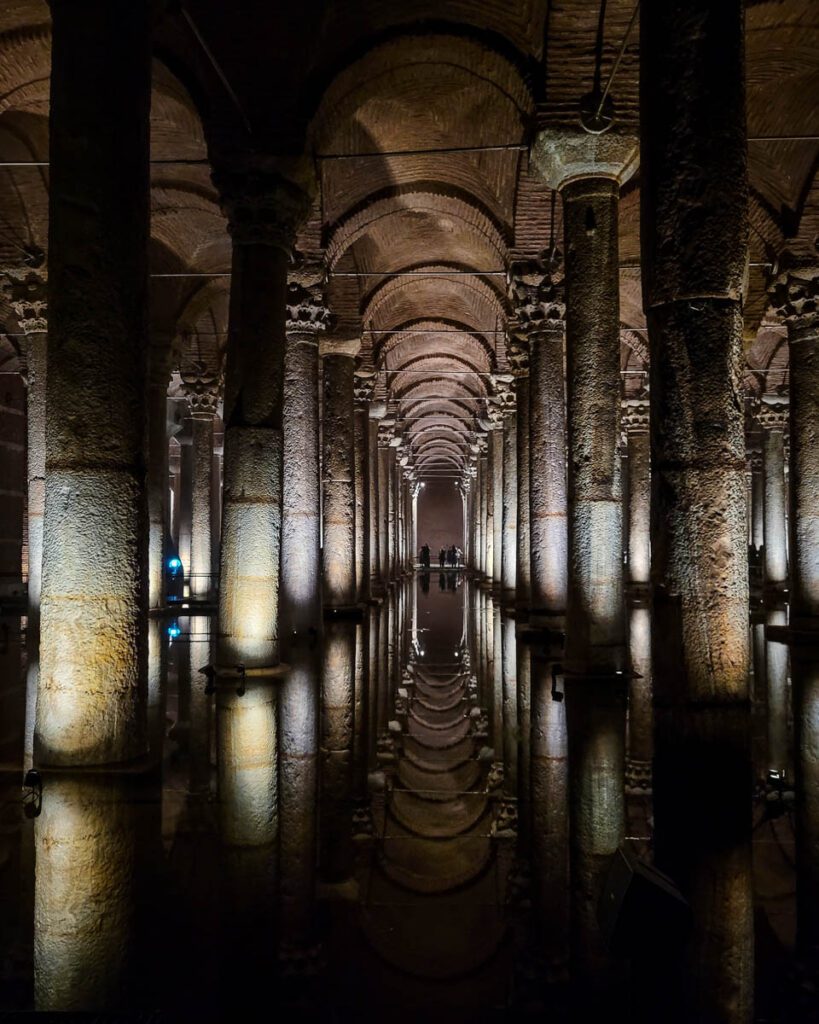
795 296
694 250
26 293
93 649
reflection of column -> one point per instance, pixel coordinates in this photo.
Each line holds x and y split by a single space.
27 297
84 894
338 469
776 675
635 423
91 700
363 388
795 297
307 317
201 396
510 708
524 727
550 818
589 180
497 679
774 418
337 698
700 594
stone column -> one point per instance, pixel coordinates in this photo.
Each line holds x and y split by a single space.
510 507
518 352
377 411
363 389
94 602
264 208
588 170
496 485
757 502
510 707
483 551
537 297
640 714
338 468
635 423
392 510
384 437
158 482
26 294
795 296
774 419
307 319
694 260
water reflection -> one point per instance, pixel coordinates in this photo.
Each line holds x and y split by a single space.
424 800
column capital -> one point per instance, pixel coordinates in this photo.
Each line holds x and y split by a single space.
794 291
635 415
200 387
26 291
385 433
265 198
340 347
773 413
517 352
536 294
562 155
307 311
363 386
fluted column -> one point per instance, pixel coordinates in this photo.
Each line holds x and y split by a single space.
263 208
94 601
693 143
774 419
26 292
307 319
795 296
635 423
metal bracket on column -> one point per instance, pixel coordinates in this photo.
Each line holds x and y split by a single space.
557 695
240 672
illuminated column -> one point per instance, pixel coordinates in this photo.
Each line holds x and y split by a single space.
774 419
377 412
389 476
384 437
94 602
795 297
263 210
589 170
338 469
496 484
509 553
694 258
201 392
537 295
307 318
635 422
159 374
483 471
757 501
26 294
84 894
363 389
518 353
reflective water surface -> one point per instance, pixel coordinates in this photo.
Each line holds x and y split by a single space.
416 820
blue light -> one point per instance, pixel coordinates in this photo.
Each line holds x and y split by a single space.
173 630
174 563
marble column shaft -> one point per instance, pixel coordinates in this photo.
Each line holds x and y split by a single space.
509 556
93 650
773 465
524 559
639 492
